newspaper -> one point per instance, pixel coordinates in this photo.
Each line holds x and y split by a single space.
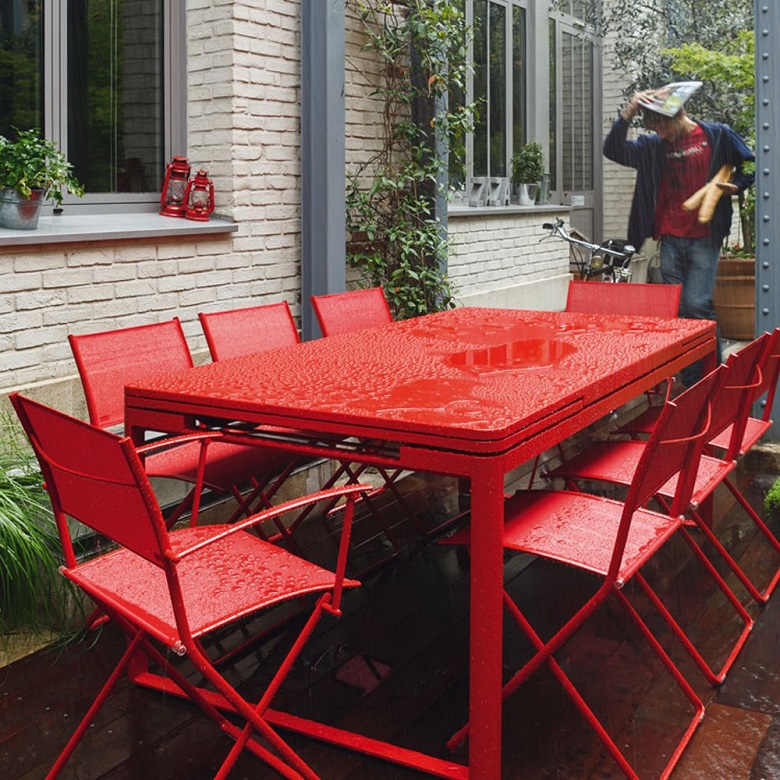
670 99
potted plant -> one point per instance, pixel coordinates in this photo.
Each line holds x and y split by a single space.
527 171
32 170
734 294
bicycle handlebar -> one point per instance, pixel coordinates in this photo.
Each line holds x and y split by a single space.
558 229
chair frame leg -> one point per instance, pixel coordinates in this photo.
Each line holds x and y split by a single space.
135 660
273 687
761 596
98 702
712 676
544 655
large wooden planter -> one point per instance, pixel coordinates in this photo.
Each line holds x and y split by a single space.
735 298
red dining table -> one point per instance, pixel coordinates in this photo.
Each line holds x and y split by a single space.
471 392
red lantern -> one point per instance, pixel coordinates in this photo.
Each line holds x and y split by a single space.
174 188
199 197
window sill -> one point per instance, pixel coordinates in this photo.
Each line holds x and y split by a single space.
464 210
111 227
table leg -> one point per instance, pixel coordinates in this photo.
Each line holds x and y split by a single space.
487 570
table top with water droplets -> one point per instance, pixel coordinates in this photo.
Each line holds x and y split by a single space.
461 379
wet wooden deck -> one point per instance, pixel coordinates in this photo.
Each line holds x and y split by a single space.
395 668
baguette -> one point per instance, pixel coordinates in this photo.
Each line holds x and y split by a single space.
706 198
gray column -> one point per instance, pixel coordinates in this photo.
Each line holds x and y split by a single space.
767 21
323 233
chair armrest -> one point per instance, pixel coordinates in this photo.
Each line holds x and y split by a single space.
165 443
351 492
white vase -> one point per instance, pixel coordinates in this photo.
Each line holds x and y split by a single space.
526 194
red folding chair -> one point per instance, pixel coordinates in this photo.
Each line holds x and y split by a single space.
612 540
609 461
641 300
252 329
351 310
766 385
170 590
245 331
109 360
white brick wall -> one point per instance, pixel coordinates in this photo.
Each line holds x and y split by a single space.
497 260
363 75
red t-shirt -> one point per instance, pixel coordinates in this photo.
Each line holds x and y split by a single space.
687 165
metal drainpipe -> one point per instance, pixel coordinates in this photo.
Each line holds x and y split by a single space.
767 26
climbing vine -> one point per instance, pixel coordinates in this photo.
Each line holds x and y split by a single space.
396 238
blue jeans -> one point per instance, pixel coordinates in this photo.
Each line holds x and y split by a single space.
692 262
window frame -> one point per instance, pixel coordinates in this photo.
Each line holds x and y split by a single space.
542 82
174 108
508 129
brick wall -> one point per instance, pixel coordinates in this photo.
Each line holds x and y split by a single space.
618 180
54 291
497 260
363 75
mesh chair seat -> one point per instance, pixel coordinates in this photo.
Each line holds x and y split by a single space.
614 462
580 530
227 463
227 580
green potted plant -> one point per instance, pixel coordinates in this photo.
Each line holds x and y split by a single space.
32 170
527 171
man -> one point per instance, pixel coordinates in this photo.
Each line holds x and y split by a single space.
674 161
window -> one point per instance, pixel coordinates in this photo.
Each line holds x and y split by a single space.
528 88
98 77
499 60
571 109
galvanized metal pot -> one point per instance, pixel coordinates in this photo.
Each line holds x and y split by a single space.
18 212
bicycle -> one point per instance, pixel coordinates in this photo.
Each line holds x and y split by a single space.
610 261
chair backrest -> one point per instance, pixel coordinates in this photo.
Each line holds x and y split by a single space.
644 300
739 391
770 371
674 447
95 477
109 360
351 310
253 329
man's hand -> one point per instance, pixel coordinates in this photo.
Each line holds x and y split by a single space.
634 104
